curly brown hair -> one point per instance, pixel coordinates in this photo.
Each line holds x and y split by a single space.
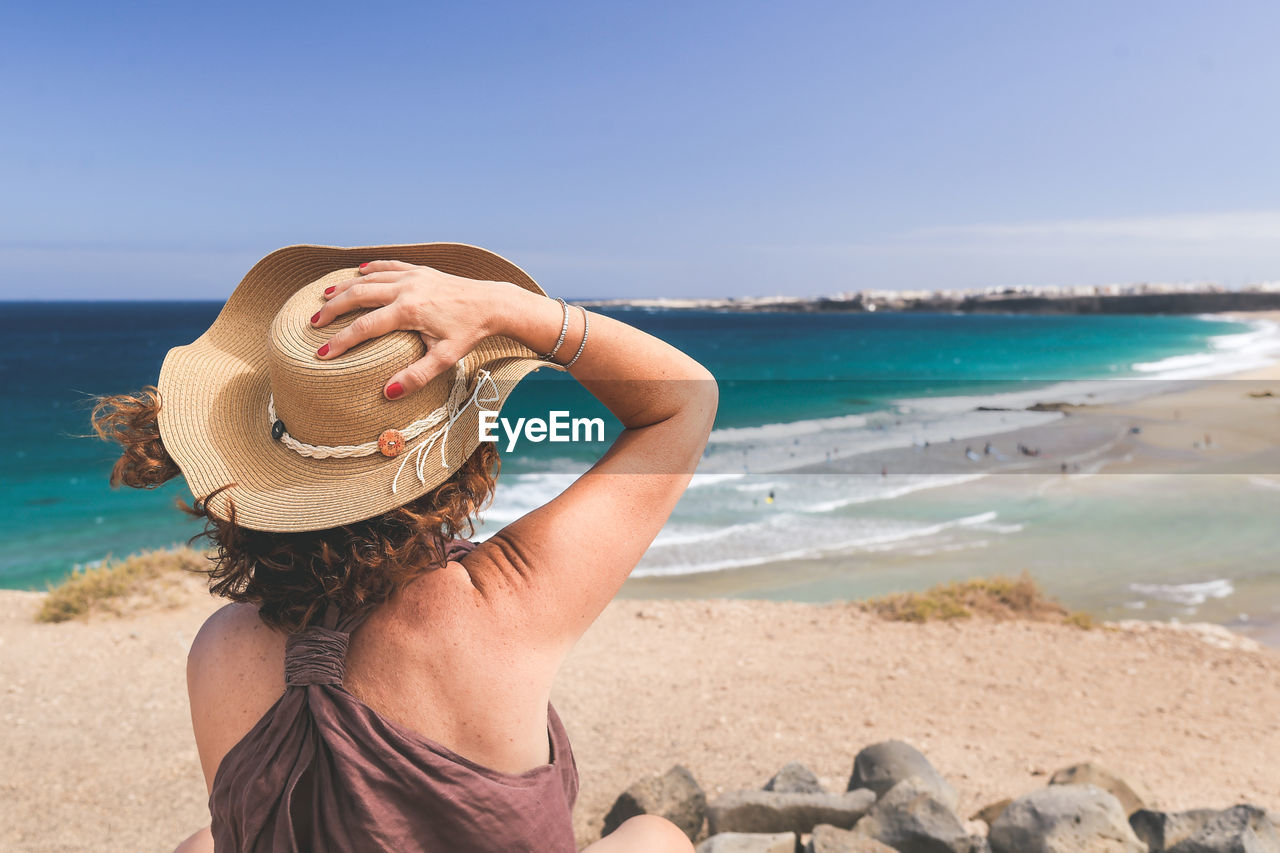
292 576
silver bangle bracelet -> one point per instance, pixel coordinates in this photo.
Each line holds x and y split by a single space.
586 328
564 330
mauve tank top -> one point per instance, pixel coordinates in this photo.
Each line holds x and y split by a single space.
322 771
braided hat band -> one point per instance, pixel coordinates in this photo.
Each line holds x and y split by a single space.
392 441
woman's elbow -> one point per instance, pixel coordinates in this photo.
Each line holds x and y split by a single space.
707 396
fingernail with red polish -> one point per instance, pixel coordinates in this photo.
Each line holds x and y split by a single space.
323 351
315 317
365 264
394 390
330 290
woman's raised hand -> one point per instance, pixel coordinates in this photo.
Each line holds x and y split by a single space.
452 314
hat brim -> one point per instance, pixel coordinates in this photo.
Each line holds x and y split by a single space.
214 397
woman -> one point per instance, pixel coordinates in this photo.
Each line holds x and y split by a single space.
379 684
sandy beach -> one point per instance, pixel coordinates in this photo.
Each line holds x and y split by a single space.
98 752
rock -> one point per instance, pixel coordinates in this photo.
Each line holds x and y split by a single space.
674 795
775 811
988 814
1091 774
1160 830
794 778
911 818
1239 829
1064 819
750 842
883 765
830 839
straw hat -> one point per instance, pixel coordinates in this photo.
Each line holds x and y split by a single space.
311 444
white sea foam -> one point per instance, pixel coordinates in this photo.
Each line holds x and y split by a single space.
772 540
892 490
980 518
1231 353
688 535
761 486
949 548
701 479
1001 528
1264 483
766 433
1189 594
1175 363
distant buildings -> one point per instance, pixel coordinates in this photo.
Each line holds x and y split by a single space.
1138 297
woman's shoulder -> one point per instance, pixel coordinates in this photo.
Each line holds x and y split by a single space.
235 672
233 633
234 646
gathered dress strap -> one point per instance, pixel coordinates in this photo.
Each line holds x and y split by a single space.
318 653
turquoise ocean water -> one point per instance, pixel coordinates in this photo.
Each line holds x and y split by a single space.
795 389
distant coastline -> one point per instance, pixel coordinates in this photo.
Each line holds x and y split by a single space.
1108 299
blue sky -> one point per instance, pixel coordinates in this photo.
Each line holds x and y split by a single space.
160 149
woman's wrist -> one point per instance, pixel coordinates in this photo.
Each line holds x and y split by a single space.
530 318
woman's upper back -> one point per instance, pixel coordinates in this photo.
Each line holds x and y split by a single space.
438 700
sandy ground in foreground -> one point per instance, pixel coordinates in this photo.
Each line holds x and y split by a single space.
97 751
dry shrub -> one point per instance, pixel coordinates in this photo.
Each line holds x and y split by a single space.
141 581
997 597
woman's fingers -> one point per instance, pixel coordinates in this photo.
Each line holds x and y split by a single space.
366 326
439 358
385 266
385 277
358 295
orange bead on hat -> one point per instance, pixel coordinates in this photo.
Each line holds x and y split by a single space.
390 443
